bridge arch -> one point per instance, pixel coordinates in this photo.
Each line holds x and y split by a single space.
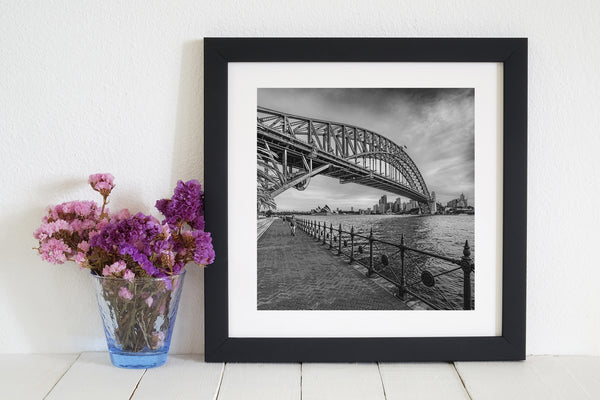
292 149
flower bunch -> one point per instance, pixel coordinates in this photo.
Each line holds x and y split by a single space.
66 230
186 206
124 245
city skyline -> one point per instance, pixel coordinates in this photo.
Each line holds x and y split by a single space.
391 199
436 126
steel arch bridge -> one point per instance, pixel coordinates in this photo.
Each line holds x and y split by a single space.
292 149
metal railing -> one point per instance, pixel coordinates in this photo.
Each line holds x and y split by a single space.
392 262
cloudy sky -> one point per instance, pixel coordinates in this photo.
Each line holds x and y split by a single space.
436 125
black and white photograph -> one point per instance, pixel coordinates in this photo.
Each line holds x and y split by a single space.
365 199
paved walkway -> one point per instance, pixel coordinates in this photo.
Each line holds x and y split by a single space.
297 273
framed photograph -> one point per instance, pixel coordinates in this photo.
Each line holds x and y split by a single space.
367 199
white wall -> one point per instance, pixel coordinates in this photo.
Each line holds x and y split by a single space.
95 86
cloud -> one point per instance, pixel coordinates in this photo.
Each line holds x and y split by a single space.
436 125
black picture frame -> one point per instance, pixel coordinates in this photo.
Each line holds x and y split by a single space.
510 345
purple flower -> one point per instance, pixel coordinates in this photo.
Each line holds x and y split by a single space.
178 267
186 205
133 236
83 232
204 253
140 258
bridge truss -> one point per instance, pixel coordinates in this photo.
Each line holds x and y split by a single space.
292 149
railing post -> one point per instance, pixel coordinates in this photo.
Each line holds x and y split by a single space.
467 267
324 232
352 244
330 235
370 270
402 288
340 240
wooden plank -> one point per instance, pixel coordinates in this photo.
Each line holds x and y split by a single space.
341 381
505 380
182 377
94 377
261 382
31 376
421 381
571 377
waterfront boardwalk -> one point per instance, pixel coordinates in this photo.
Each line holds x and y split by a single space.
299 273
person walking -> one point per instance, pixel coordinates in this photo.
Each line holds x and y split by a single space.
293 225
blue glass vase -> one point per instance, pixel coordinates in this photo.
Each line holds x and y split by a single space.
138 317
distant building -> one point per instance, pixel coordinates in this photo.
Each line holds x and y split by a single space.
383 204
398 205
461 202
321 210
412 205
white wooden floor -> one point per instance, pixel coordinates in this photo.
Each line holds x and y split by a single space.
91 376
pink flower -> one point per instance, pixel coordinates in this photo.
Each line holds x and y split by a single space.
89 223
77 225
102 183
47 229
119 215
114 268
83 246
125 293
53 251
158 338
129 275
80 258
149 301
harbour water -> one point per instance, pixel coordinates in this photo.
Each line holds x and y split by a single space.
444 235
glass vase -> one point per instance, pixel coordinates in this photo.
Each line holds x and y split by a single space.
138 317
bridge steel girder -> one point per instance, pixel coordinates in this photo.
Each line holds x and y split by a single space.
353 154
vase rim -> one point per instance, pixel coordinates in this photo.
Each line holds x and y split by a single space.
137 278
